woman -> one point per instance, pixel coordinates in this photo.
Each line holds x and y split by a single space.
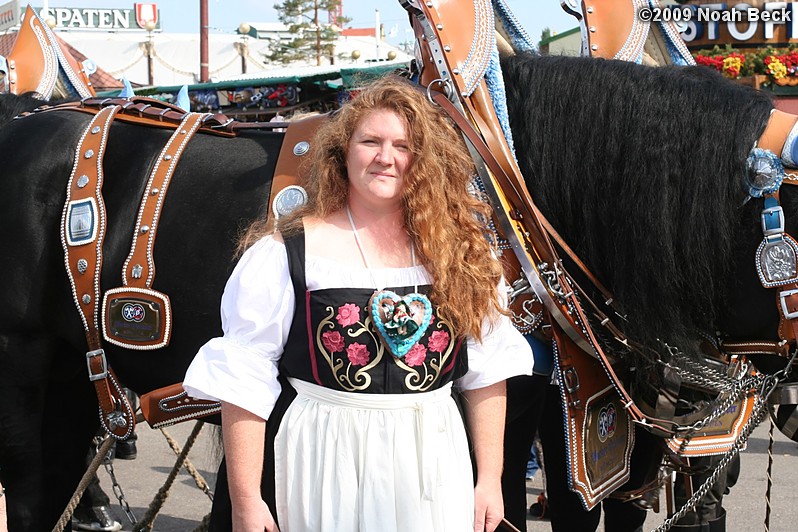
362 430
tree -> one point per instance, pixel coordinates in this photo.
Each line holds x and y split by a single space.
314 36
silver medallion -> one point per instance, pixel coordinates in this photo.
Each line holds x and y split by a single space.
83 265
82 224
288 199
83 180
777 261
301 148
89 154
136 271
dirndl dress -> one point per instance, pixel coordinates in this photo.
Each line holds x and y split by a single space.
360 440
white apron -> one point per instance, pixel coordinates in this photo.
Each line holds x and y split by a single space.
372 462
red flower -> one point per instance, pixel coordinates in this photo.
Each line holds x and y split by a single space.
333 341
438 341
348 314
358 354
417 355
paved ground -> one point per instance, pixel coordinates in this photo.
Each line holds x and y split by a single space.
186 505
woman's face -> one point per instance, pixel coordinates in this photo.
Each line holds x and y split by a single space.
378 156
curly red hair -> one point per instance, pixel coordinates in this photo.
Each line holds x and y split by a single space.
445 220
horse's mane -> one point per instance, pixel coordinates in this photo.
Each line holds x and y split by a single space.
641 170
12 105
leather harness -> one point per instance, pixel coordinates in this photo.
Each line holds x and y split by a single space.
588 378
83 232
83 229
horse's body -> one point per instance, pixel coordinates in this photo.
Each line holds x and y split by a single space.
640 171
46 412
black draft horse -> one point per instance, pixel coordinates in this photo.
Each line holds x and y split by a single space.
48 410
640 169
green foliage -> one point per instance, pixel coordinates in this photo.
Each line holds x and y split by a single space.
313 36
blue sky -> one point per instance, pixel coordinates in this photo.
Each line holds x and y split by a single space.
225 15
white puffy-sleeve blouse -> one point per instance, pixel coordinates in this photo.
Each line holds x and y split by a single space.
257 309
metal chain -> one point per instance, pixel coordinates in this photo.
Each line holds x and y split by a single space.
754 420
742 389
693 371
766 387
117 488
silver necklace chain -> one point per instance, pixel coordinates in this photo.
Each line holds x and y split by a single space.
363 253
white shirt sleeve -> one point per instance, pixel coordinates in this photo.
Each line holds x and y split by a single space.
503 353
257 309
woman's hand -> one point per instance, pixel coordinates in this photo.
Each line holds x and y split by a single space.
252 514
488 506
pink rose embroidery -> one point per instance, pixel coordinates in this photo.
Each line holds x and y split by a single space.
333 341
431 319
438 341
416 356
348 314
358 354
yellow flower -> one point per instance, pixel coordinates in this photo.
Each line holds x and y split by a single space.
732 65
777 68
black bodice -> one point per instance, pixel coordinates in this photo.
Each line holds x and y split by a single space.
333 341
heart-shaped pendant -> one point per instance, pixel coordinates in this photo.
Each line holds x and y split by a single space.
401 321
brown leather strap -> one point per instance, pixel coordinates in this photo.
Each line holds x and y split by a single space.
296 144
171 404
82 233
139 268
155 113
83 221
755 348
787 301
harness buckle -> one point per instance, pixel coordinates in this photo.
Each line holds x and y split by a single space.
103 374
783 295
772 220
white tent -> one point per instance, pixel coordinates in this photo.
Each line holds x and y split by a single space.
176 56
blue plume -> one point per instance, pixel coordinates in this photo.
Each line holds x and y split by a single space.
127 90
182 100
